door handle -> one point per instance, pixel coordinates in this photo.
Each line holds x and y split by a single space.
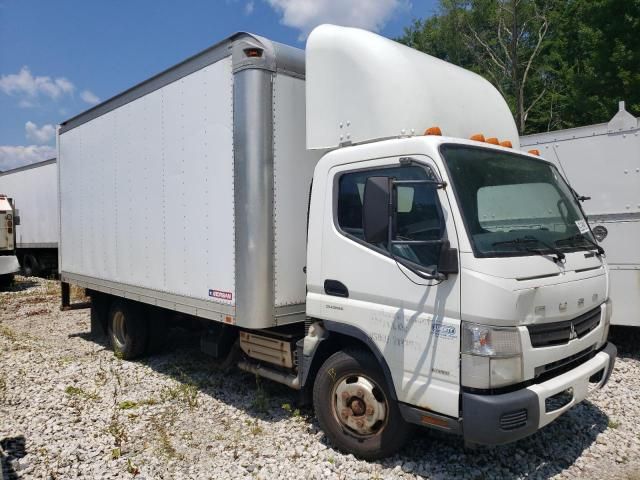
336 288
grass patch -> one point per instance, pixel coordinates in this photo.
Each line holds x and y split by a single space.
613 424
260 401
129 404
116 453
164 439
117 431
132 468
79 392
9 334
186 393
294 412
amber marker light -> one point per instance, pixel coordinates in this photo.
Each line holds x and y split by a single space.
534 152
492 141
506 144
433 131
478 137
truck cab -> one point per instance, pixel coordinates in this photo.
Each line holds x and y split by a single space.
465 268
8 260
486 306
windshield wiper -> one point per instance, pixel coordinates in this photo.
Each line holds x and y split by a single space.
579 236
559 256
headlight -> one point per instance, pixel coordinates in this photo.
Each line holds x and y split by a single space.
490 341
491 356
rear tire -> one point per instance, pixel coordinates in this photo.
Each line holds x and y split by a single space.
128 329
31 267
354 407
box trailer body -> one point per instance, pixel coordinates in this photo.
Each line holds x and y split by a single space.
290 203
34 189
8 260
187 192
613 149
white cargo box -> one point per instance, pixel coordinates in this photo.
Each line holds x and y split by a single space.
189 190
603 162
34 189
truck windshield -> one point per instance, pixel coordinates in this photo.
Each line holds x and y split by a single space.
513 204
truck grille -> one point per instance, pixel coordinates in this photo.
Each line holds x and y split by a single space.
513 420
559 333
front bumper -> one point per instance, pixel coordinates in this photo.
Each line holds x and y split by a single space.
504 418
9 264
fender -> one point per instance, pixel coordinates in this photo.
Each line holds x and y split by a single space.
360 335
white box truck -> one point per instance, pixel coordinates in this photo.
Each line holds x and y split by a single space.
34 189
380 261
8 261
602 163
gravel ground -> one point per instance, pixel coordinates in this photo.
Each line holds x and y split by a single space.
70 409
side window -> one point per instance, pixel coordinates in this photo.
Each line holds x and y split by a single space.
418 215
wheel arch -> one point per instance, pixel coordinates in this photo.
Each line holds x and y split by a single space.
341 336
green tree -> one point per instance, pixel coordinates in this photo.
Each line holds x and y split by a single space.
594 60
558 63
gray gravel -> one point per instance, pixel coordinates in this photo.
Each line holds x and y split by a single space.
70 409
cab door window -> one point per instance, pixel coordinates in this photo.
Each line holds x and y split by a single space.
418 214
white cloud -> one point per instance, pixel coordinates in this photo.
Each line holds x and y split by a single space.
249 7
40 135
307 14
12 156
26 85
89 97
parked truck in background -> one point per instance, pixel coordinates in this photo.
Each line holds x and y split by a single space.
388 261
34 189
602 163
8 260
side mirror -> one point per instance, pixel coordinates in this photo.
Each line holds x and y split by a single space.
375 209
16 220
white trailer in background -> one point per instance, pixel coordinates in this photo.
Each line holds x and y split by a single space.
602 162
8 260
34 189
368 261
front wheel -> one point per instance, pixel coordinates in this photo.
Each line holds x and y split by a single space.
354 407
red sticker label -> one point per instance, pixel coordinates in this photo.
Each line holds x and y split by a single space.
221 295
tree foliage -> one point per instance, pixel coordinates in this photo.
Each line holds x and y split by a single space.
558 63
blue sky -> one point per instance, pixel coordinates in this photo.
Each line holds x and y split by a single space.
58 58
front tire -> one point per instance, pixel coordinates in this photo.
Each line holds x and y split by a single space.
354 407
128 329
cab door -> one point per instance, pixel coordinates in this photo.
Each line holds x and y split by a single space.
412 321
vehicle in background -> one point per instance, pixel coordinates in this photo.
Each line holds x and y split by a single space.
389 262
8 221
34 189
602 163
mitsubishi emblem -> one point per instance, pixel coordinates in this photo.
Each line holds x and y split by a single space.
573 333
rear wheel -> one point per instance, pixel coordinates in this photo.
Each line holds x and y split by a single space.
354 407
128 329
31 267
